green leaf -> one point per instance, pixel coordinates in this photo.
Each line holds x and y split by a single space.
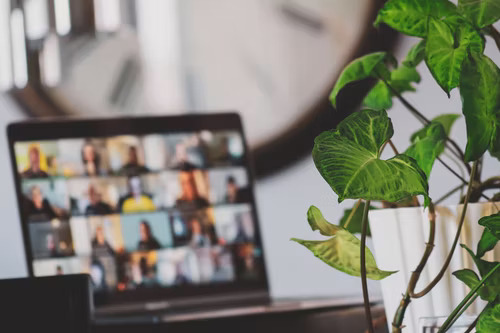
492 285
354 226
447 120
489 320
470 278
480 91
415 55
492 223
318 222
480 12
402 77
370 65
342 252
379 97
410 16
405 73
349 160
427 145
445 54
486 243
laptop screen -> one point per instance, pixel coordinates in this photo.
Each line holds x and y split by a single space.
148 207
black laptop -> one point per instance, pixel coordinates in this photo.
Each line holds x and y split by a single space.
159 211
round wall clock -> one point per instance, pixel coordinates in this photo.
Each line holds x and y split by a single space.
273 61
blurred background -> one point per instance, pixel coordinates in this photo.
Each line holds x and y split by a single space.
273 61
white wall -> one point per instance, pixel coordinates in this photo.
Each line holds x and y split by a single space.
282 201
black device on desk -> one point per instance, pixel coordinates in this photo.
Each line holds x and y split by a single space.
50 304
158 210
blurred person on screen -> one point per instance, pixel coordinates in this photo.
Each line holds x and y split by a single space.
59 270
234 193
148 274
98 274
133 167
91 159
136 200
38 207
200 235
34 169
242 234
180 276
221 272
96 206
100 246
147 240
189 199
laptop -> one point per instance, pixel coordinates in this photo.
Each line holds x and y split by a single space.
159 211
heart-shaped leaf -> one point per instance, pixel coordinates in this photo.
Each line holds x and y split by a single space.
349 160
318 222
480 91
410 16
486 243
342 252
416 55
480 12
354 226
427 145
470 278
445 53
489 320
492 223
370 65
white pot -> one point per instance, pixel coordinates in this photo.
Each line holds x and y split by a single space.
399 237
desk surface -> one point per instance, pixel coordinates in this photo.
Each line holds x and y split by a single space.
278 306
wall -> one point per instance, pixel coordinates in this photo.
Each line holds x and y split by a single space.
282 201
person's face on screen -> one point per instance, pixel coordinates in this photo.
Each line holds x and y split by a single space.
135 186
232 189
34 157
133 159
99 235
94 196
37 196
188 185
88 153
144 231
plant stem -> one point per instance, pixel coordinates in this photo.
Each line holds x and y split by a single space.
353 211
431 285
459 177
393 147
397 323
465 302
471 301
364 226
457 151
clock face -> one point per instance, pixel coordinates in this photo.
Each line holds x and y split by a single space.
270 60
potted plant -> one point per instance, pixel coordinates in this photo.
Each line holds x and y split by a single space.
349 159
